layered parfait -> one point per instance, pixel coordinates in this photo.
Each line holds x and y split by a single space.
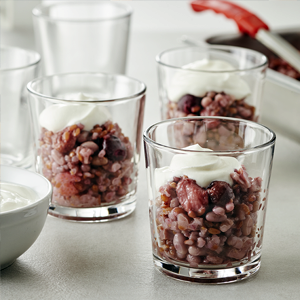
206 211
215 91
84 154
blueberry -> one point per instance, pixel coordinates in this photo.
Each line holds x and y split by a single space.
114 148
188 101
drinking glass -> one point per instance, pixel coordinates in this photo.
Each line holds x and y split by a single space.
87 133
208 195
86 36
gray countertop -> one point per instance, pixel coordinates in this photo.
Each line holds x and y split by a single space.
114 260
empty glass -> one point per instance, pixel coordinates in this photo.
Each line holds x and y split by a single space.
18 67
86 36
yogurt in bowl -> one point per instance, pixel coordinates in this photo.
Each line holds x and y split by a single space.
25 198
14 196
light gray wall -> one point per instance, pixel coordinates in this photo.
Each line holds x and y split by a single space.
177 15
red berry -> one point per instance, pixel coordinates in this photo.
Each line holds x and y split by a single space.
191 196
65 184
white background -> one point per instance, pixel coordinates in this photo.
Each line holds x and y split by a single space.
177 15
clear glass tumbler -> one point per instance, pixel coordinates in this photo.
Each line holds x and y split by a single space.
87 131
207 196
211 81
86 36
18 67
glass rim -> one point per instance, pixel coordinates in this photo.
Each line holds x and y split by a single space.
211 47
59 100
259 147
35 61
38 12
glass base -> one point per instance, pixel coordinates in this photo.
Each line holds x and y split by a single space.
95 214
208 275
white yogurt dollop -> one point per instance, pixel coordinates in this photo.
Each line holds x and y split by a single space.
14 196
203 168
58 116
199 83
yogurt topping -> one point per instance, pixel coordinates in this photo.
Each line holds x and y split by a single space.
14 196
202 167
58 116
199 83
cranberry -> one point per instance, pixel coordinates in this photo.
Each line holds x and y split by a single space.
188 101
220 192
191 196
114 148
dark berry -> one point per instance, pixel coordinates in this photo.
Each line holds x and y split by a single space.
114 148
220 192
187 102
99 142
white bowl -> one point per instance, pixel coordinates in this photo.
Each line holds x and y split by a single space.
19 228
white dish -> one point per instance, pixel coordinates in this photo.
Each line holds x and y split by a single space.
281 97
281 105
19 228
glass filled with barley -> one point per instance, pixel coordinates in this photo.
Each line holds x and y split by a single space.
87 131
208 193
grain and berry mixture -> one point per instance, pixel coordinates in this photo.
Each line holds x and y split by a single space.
87 168
212 104
209 133
211 226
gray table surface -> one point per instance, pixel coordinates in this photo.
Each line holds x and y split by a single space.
114 260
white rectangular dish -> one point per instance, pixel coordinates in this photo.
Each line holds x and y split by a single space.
281 105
